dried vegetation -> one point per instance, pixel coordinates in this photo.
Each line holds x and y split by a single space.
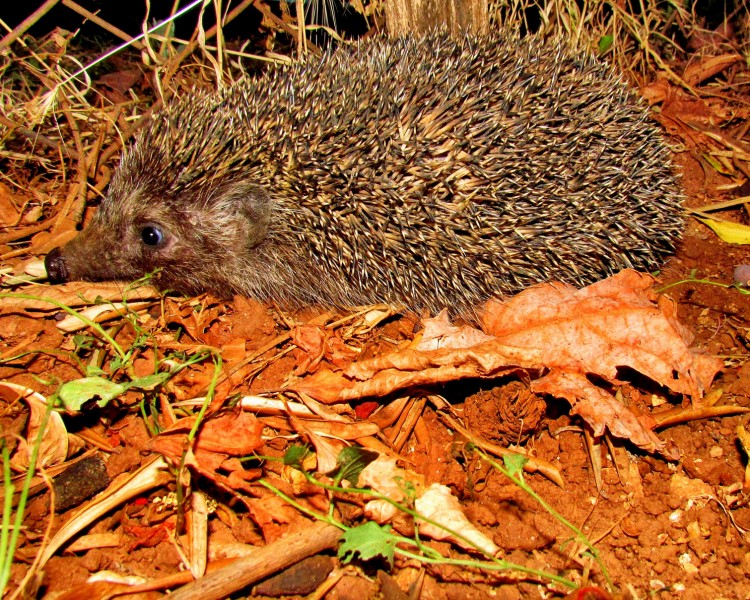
226 427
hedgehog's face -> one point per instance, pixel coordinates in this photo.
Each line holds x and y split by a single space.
191 242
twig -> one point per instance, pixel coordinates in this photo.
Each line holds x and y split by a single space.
26 23
22 232
115 146
34 137
263 562
404 428
193 44
281 25
79 198
103 24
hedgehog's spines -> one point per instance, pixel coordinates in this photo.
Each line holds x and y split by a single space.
426 172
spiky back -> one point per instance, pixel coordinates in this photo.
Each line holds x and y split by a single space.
434 172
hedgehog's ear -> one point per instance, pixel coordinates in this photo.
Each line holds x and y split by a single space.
254 206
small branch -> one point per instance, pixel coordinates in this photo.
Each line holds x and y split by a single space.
103 24
22 232
26 23
35 137
265 561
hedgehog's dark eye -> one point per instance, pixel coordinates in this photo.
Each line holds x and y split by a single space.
152 235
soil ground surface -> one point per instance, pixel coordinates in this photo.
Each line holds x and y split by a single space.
664 529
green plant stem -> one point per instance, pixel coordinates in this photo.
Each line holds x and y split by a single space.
496 565
433 557
209 393
198 420
9 540
521 483
55 353
736 286
398 505
5 549
303 509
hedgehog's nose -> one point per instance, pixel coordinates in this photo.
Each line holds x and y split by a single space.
57 268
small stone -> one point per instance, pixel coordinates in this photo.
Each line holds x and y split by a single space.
742 275
301 579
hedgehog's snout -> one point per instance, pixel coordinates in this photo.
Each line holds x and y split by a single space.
57 267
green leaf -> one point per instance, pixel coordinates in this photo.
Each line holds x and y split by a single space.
368 541
83 342
94 371
295 455
75 394
351 461
149 382
605 43
515 463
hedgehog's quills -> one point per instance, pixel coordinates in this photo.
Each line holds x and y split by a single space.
427 173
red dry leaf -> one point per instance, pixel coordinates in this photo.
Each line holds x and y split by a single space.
316 343
707 67
601 410
364 409
270 509
121 81
615 323
311 341
147 536
618 322
232 433
338 353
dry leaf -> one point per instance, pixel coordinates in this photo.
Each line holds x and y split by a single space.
232 433
441 333
233 351
54 447
76 293
657 91
342 431
327 449
270 509
338 353
612 324
435 503
440 506
121 81
729 232
122 489
617 322
383 476
311 341
317 343
386 374
708 67
601 410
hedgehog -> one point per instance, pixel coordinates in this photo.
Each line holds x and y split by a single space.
426 173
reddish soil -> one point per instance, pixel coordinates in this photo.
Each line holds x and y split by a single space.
663 529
